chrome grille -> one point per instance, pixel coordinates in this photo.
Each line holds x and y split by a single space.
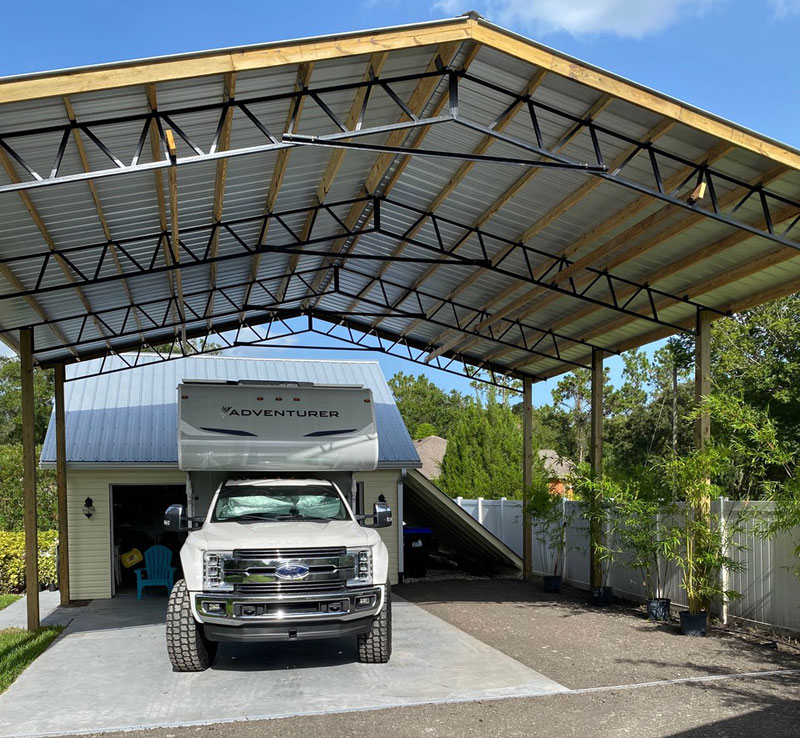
288 553
292 588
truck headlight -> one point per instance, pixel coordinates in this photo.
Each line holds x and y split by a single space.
213 571
363 567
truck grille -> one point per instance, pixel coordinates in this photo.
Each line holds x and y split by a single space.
290 588
288 553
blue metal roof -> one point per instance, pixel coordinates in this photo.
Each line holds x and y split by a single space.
131 416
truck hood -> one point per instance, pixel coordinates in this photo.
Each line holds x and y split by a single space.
289 534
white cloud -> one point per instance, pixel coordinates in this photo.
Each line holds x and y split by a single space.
631 18
782 8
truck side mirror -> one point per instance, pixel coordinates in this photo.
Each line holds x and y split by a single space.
175 518
382 514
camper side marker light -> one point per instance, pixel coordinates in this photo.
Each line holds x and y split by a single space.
278 399
260 399
296 399
366 399
184 397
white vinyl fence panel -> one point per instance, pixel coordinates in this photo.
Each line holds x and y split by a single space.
769 589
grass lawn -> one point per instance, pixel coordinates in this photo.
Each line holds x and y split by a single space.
6 600
18 648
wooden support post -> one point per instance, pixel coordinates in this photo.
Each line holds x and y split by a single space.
29 478
702 376
61 485
596 524
527 477
702 432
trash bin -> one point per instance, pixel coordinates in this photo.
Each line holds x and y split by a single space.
417 543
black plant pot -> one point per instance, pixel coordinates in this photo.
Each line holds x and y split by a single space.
42 586
694 623
52 587
552 583
602 596
658 608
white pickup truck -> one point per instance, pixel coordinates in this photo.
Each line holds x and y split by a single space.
278 556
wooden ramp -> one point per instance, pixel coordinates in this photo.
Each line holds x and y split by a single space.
424 503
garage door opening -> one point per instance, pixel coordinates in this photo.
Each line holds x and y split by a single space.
137 524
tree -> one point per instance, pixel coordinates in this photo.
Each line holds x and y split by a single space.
11 494
484 452
420 402
11 401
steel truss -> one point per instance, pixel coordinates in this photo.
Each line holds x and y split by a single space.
269 334
255 111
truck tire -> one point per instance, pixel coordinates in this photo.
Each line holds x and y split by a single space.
187 646
375 647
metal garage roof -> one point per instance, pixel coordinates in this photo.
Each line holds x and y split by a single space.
449 190
132 418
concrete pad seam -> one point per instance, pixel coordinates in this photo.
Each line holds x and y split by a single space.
684 680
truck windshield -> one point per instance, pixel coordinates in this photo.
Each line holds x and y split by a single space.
278 503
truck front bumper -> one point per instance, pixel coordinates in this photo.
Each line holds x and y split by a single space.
235 616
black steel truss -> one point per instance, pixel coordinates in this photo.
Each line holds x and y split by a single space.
254 111
269 334
65 269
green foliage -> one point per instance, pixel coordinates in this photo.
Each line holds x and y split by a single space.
484 453
420 402
12 559
18 648
11 401
548 519
11 494
423 430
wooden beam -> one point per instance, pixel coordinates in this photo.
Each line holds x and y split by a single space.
29 478
76 133
373 69
463 170
172 174
527 478
61 484
228 93
702 377
419 98
278 54
596 525
293 115
158 179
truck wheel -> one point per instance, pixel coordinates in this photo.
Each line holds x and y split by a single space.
187 646
375 647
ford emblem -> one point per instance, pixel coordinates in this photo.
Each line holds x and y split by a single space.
292 571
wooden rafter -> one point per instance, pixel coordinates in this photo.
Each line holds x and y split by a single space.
101 216
421 95
293 115
604 249
451 185
228 93
51 245
172 173
373 69
498 204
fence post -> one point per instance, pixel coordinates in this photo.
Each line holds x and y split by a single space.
564 539
459 501
723 572
480 510
501 529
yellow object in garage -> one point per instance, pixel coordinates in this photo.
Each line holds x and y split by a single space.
131 558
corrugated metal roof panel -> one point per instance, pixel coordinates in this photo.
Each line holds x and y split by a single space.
131 417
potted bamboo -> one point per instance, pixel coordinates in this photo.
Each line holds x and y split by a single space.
549 527
701 539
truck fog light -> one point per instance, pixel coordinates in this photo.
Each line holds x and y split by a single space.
214 608
365 602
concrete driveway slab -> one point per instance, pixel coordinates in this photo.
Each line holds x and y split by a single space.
109 671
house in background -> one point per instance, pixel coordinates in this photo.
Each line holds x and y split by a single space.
431 451
559 469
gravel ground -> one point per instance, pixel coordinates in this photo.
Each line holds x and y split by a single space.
585 649
580 646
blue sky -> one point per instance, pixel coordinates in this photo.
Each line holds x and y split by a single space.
734 58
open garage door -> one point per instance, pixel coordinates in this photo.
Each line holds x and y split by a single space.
454 529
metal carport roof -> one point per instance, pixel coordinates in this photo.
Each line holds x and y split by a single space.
451 190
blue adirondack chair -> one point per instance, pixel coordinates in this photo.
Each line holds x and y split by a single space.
157 571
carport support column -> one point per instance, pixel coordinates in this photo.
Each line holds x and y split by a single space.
527 477
29 478
596 523
61 485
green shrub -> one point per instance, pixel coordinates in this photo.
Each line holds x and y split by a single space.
12 559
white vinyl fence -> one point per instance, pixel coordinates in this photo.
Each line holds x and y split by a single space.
770 591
